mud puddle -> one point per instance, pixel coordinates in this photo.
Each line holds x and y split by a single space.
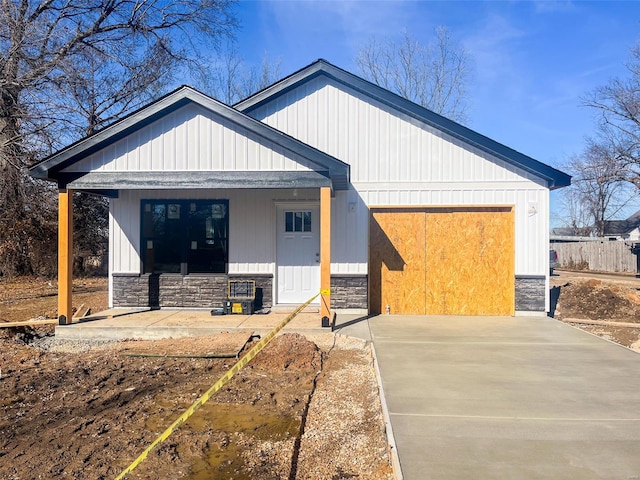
224 459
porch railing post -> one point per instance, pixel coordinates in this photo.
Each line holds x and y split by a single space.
65 255
325 255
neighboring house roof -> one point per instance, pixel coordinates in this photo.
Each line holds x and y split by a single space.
554 178
622 227
51 167
564 232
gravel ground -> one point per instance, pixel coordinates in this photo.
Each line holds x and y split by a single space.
51 344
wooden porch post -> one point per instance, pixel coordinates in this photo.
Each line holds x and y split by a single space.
65 255
325 255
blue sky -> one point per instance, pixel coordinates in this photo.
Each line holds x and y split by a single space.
532 61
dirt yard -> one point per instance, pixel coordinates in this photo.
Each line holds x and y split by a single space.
607 300
304 408
26 298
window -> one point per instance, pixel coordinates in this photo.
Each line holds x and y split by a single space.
297 221
185 236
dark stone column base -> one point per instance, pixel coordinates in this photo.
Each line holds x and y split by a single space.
349 291
530 293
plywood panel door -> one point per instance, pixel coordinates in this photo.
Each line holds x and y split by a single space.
470 262
454 261
397 262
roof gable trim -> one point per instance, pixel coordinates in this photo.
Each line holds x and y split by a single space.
553 177
50 168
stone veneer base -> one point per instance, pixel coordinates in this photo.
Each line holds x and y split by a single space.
184 291
349 292
210 291
530 293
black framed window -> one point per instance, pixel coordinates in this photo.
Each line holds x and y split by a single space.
185 236
297 221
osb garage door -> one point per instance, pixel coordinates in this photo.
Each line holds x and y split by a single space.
442 261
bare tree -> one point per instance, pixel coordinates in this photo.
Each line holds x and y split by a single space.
232 79
78 64
574 217
599 191
259 77
618 103
43 43
433 76
606 176
96 91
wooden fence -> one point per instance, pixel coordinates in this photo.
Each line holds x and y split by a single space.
604 256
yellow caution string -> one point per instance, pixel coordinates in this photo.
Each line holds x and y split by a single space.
214 388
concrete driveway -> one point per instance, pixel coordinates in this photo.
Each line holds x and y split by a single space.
508 398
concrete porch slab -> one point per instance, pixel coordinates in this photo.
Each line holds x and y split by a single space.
120 324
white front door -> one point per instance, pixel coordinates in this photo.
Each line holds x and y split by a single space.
298 253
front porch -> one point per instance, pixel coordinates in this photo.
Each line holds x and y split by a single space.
149 270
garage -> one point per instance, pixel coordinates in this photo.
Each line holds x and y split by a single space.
442 261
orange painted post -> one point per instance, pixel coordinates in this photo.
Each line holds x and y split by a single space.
325 255
65 255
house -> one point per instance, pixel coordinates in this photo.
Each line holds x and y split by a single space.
322 182
628 229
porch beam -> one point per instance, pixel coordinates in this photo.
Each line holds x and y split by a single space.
65 255
101 181
325 255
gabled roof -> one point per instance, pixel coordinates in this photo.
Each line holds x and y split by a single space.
565 232
50 168
622 227
555 178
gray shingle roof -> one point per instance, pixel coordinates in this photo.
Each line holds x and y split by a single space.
622 227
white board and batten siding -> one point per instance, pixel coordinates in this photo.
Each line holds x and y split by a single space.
191 139
398 161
